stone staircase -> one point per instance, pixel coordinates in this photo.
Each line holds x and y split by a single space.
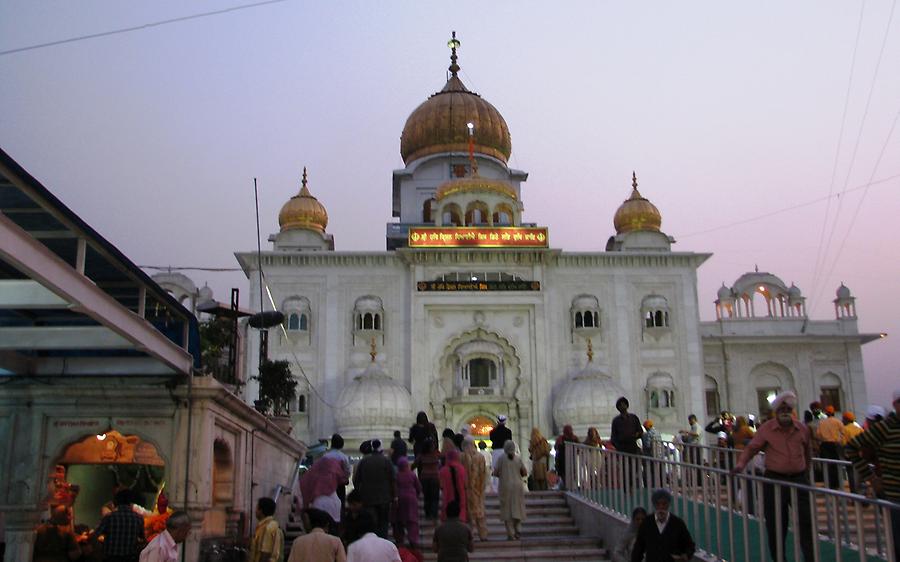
549 533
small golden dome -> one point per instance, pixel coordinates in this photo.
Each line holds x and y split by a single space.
440 123
474 184
637 213
303 211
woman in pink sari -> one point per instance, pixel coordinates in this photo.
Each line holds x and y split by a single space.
453 484
408 491
319 486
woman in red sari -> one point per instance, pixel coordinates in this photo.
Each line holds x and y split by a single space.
453 484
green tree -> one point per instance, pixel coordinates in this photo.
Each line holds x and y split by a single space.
277 387
215 339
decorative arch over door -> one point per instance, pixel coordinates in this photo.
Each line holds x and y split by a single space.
768 379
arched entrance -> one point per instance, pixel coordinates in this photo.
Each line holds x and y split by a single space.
480 427
479 375
90 471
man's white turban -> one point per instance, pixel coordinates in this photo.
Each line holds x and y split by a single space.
786 397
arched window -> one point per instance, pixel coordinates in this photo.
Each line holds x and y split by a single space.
476 213
711 390
655 310
368 313
223 474
297 315
451 215
586 315
481 372
830 391
660 391
428 211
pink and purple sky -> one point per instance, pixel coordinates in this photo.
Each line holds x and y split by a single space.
727 112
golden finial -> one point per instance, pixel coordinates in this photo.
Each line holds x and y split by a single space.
633 179
454 44
590 351
373 352
304 190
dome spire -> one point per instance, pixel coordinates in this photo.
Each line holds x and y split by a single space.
304 190
637 213
303 211
454 44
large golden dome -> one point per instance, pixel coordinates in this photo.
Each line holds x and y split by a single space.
440 123
303 211
474 184
637 213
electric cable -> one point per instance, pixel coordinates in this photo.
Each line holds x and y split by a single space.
840 138
136 27
862 198
786 209
815 282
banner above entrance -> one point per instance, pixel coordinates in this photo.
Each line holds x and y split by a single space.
478 237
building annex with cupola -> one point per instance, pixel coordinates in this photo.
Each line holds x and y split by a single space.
470 312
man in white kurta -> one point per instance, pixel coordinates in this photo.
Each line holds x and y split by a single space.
164 547
510 470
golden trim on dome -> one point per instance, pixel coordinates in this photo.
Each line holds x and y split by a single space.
637 213
303 211
475 184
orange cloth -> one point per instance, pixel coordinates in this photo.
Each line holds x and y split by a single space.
830 430
851 430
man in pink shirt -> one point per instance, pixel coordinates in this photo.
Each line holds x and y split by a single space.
164 547
787 444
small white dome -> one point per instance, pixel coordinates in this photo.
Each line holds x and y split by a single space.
724 293
373 405
794 292
587 400
842 292
206 294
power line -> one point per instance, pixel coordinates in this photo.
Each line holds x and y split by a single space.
189 268
862 124
837 256
137 27
786 209
840 138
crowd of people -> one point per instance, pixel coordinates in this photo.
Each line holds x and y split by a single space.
379 519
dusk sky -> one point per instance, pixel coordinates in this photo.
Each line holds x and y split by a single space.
732 115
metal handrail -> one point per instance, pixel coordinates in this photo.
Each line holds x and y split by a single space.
834 472
723 508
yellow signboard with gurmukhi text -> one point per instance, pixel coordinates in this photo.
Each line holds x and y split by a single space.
478 237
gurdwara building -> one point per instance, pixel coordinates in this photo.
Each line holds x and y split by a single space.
470 313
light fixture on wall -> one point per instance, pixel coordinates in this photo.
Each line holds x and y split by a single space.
102 435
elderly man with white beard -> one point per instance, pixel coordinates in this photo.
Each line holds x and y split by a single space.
788 447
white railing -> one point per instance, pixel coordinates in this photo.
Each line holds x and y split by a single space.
727 513
832 473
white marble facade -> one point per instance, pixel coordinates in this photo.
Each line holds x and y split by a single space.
522 353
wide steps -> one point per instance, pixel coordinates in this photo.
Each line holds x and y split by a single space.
521 553
548 533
